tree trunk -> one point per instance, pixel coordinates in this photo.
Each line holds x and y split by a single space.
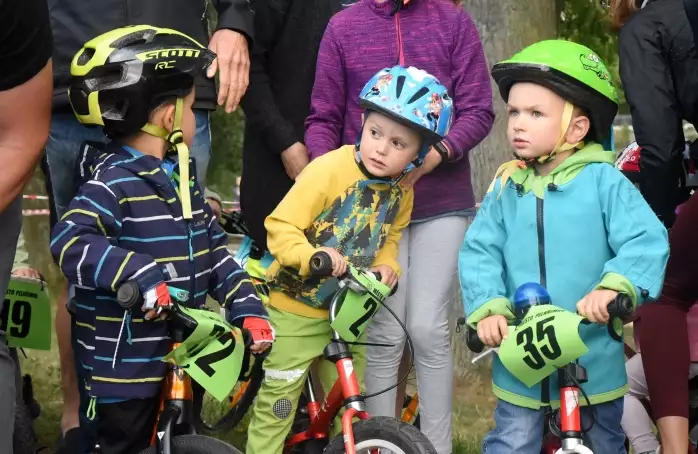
505 28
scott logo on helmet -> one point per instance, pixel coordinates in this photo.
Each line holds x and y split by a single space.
168 53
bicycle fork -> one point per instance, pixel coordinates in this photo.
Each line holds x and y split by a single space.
570 377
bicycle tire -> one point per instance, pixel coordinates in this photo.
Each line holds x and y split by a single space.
233 416
385 432
197 444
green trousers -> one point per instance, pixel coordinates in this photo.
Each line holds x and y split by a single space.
299 340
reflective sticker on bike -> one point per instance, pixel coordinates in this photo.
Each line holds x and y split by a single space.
547 338
212 354
26 315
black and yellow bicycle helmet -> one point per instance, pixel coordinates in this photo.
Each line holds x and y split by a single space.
120 76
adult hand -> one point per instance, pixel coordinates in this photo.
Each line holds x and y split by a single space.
233 64
432 160
295 158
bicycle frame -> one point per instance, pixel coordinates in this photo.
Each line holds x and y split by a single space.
176 413
344 393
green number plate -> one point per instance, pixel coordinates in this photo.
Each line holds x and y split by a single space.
26 315
212 355
548 338
357 310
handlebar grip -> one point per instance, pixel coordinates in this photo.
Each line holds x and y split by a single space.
472 340
321 264
621 307
128 294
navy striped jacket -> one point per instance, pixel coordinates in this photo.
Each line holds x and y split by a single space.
126 224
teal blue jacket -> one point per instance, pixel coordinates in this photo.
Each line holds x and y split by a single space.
582 227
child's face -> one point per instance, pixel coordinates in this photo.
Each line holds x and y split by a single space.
387 147
535 114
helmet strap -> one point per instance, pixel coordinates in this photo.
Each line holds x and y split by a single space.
175 144
562 144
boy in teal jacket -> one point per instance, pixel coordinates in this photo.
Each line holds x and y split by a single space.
561 215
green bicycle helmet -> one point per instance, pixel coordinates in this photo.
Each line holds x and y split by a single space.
571 70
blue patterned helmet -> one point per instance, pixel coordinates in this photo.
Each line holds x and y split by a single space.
414 98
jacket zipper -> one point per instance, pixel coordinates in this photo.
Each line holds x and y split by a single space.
541 241
545 384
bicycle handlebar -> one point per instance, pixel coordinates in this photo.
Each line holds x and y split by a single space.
128 294
620 308
321 265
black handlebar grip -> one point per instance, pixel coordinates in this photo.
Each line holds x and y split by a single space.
321 264
621 307
128 294
472 340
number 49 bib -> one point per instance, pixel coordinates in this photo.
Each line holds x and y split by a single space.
26 315
546 339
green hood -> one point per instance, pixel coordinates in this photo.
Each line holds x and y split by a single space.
565 172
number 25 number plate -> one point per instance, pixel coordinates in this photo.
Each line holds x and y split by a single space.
547 338
26 315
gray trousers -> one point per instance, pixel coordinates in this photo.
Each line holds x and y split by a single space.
10 225
429 261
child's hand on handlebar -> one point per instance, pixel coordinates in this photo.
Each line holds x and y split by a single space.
492 330
594 306
388 276
262 333
154 300
339 263
25 271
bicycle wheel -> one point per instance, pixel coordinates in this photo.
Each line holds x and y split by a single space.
196 444
386 434
215 416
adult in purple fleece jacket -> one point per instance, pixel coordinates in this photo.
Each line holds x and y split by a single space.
440 38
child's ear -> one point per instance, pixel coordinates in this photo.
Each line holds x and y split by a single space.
578 129
164 116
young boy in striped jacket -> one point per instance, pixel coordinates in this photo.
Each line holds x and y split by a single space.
142 218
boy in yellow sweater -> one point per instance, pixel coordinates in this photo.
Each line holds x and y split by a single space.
349 204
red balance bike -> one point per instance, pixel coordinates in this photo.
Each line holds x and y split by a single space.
352 307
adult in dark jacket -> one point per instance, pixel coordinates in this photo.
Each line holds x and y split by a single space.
282 72
75 22
659 71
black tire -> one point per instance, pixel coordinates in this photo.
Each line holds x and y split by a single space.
24 439
197 444
233 417
388 431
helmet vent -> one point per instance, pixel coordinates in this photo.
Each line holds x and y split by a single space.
85 56
399 85
422 91
133 39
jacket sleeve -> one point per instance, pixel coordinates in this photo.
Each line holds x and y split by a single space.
236 15
388 254
637 237
286 225
229 284
261 112
472 91
649 89
80 244
481 263
324 125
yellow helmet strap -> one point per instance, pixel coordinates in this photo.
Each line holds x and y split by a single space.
175 141
562 144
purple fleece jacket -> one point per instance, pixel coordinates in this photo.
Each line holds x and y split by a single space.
438 37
